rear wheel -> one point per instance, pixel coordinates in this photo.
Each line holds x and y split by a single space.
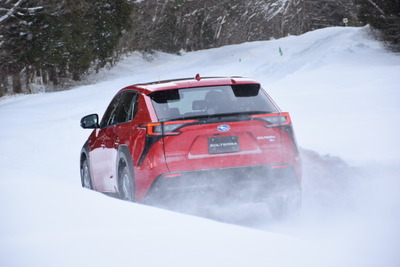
126 185
285 205
85 174
285 201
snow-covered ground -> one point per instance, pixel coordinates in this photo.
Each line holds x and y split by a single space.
342 90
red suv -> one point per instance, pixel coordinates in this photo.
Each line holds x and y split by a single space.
216 139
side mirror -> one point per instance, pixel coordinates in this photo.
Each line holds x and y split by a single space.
90 121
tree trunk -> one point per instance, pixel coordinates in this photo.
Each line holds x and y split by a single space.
45 77
53 76
16 83
30 74
3 82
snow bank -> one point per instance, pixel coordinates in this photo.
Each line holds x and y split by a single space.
341 90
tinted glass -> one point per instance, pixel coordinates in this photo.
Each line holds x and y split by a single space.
211 101
120 110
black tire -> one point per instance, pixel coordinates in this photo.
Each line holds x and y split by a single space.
285 205
126 186
86 178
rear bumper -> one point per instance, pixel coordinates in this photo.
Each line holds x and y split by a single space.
241 184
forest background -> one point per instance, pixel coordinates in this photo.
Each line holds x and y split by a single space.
55 44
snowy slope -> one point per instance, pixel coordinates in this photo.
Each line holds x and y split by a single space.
341 89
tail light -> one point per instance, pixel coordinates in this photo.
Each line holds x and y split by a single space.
275 119
165 128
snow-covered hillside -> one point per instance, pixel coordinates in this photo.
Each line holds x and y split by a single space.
341 89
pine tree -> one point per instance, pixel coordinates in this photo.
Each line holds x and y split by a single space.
384 16
14 37
61 40
110 20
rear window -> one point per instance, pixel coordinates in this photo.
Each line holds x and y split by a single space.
211 101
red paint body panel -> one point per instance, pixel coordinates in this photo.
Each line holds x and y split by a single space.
189 150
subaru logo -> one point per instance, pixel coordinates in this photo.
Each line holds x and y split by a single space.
223 128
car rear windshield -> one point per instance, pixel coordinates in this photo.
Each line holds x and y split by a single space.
211 101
